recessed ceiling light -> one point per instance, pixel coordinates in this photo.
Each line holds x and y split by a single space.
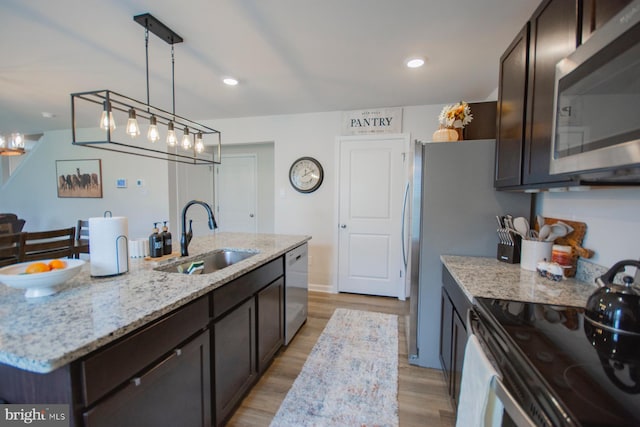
415 62
230 81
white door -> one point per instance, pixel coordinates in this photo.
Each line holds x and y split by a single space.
236 193
371 186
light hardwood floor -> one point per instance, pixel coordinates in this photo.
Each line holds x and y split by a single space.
422 394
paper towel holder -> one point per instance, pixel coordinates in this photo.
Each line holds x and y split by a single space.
126 248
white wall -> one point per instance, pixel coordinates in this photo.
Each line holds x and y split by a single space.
612 216
31 191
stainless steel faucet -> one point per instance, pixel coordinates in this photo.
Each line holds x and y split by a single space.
186 236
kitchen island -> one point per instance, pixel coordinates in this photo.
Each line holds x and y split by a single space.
72 336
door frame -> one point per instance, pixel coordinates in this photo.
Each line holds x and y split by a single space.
405 139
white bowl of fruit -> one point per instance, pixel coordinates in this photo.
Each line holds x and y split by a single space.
40 278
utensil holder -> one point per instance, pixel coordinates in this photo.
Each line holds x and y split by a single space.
534 251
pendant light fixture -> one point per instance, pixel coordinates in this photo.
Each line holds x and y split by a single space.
14 146
153 135
133 129
114 107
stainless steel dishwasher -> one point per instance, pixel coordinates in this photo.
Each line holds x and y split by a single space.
295 293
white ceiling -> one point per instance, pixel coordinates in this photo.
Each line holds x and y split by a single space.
291 56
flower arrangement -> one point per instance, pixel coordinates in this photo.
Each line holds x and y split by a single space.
455 115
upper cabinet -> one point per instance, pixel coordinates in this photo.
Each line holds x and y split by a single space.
595 13
510 119
526 89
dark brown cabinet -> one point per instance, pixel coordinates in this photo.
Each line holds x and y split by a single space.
527 79
526 89
234 358
514 65
553 35
595 13
270 302
175 391
453 333
248 330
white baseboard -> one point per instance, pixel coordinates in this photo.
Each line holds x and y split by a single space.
321 288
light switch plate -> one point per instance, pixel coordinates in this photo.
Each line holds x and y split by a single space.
121 183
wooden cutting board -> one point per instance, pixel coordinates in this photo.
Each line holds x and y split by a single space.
573 239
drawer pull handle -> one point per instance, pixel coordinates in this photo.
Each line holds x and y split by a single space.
136 381
178 352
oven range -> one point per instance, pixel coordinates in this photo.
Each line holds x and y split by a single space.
561 369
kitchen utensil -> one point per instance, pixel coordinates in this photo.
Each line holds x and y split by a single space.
508 221
522 226
533 234
557 231
39 284
540 221
616 307
544 232
567 226
514 231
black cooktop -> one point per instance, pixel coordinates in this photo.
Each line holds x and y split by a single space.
595 374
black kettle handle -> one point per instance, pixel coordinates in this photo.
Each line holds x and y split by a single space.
607 277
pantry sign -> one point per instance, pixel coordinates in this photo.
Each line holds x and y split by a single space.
372 121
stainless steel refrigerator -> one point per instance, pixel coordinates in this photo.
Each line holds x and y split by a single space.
453 212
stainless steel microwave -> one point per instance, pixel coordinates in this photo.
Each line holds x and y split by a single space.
596 123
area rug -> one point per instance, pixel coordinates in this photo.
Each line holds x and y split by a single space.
350 377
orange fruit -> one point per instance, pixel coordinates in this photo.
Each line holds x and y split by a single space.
56 264
37 267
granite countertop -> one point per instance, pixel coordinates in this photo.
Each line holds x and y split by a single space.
490 278
43 334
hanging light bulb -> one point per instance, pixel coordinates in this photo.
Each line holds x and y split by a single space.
186 140
106 120
133 129
199 144
17 141
152 134
171 135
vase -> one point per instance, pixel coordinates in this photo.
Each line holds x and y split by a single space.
459 132
445 134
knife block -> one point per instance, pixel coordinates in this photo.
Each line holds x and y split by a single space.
510 253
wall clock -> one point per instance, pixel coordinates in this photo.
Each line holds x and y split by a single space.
306 174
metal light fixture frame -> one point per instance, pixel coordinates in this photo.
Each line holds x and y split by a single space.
123 103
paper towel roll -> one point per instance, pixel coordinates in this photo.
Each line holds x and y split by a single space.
108 245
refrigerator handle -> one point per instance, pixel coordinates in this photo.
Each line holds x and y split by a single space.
404 210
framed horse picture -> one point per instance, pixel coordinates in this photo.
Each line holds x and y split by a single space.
79 178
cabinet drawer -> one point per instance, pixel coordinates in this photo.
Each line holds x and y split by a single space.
238 290
106 369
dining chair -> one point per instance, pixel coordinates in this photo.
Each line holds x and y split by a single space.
82 238
59 243
11 225
10 246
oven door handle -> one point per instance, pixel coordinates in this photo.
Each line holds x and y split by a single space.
509 403
511 407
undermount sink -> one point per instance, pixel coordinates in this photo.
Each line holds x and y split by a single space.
213 261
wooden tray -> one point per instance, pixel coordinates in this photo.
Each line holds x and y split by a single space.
573 239
162 258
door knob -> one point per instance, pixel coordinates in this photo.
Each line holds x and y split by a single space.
250 215
343 225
